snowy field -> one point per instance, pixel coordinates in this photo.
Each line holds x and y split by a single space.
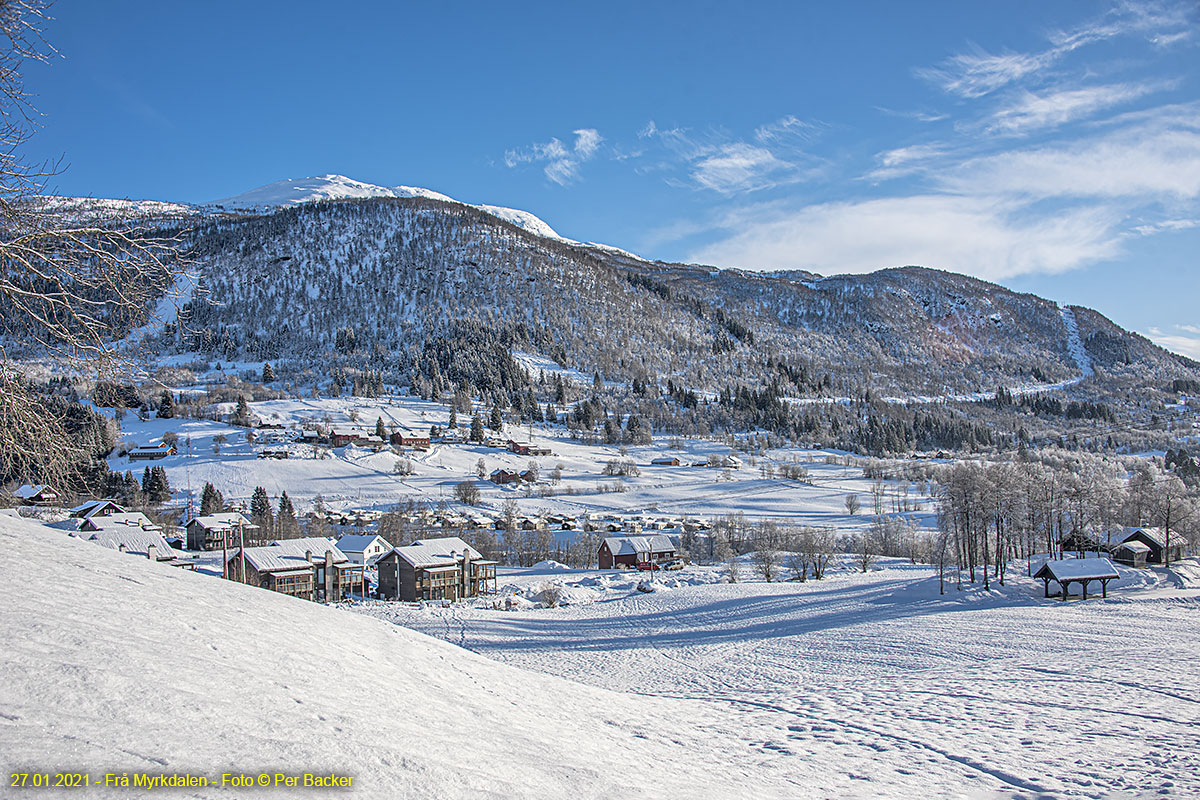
123 666
874 684
357 478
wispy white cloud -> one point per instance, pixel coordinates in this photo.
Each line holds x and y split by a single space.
785 128
1179 342
587 142
1030 111
1156 160
987 238
717 162
561 164
739 167
978 72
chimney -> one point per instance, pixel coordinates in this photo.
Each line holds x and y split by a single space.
308 556
121 548
152 553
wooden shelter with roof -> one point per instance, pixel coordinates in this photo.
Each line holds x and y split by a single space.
1077 570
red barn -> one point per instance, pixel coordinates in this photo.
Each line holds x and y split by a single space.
629 551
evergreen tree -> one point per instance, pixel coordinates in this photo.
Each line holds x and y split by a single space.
268 374
496 421
288 525
453 419
211 501
380 431
476 429
159 490
146 481
166 406
260 510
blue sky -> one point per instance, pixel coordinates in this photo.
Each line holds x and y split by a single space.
1051 147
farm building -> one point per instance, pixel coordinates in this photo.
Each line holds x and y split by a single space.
435 569
503 476
213 531
38 494
629 551
1156 539
1077 570
407 440
363 549
312 569
666 461
150 452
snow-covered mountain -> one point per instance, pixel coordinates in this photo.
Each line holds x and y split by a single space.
295 191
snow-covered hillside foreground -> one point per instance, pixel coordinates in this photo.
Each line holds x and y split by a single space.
875 684
113 664
856 686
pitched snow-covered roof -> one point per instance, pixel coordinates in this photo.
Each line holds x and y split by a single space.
436 552
292 553
29 491
1077 569
223 521
93 507
630 545
135 540
1156 535
124 520
1134 546
358 543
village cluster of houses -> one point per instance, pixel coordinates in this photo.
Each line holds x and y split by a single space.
447 568
321 568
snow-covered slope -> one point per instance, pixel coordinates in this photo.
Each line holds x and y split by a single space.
126 666
294 191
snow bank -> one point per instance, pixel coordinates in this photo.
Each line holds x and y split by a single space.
138 667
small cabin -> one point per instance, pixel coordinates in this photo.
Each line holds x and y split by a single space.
630 551
37 494
1162 549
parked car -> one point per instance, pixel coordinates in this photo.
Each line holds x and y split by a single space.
647 566
673 564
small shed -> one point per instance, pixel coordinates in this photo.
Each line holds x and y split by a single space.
1077 570
1132 553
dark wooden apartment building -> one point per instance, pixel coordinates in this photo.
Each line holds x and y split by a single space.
435 569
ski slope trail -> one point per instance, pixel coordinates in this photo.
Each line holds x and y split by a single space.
893 688
1075 344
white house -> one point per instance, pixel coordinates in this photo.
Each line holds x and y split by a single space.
363 549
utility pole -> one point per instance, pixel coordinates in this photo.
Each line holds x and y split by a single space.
242 545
